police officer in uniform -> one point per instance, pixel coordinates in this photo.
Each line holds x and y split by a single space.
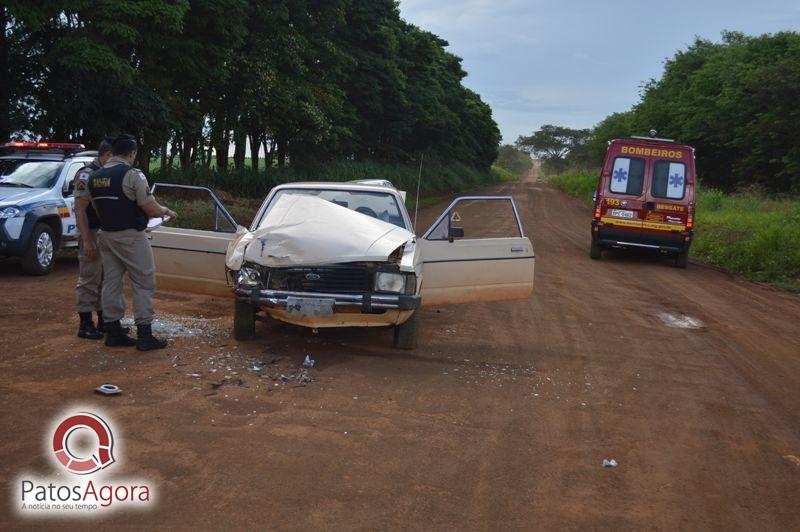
121 196
90 271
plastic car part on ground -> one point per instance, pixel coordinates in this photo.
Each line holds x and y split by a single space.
306 230
108 389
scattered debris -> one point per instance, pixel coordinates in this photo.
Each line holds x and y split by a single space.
108 389
610 463
182 326
792 459
301 376
194 375
309 362
680 321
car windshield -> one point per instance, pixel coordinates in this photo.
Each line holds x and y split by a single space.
380 205
28 174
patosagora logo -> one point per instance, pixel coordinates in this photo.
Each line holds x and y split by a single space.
81 443
103 455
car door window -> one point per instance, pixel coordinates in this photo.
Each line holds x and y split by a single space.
477 217
67 186
197 208
669 180
627 176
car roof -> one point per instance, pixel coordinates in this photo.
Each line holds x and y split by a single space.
339 185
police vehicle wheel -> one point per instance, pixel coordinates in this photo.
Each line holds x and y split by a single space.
595 251
244 320
682 259
407 333
40 257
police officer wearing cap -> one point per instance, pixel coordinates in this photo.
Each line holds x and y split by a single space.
121 196
90 271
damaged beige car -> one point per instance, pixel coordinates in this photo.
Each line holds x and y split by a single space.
345 255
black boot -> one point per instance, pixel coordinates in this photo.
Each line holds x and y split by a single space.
115 337
101 325
86 329
145 341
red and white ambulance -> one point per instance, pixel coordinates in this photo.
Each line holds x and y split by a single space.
645 198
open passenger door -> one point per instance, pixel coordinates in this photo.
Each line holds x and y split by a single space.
192 258
476 251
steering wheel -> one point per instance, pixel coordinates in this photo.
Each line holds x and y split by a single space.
367 211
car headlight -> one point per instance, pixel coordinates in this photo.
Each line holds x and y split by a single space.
9 212
390 282
248 277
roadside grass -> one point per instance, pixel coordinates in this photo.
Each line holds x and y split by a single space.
436 176
242 192
748 233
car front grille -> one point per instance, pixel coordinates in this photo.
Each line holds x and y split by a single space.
327 279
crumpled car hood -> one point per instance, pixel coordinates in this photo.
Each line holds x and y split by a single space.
306 230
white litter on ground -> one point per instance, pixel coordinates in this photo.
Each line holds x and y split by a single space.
610 463
680 321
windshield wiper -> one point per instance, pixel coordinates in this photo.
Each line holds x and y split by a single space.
11 184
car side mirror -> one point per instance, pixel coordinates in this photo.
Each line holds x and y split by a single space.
69 190
456 232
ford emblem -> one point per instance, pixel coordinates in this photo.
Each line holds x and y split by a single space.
312 277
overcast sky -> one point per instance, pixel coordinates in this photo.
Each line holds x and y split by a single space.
573 62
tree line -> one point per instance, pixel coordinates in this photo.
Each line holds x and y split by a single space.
735 101
297 81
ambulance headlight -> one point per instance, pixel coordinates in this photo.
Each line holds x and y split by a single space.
9 212
248 277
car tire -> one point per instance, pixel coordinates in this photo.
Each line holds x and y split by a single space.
595 251
40 257
244 320
682 259
406 334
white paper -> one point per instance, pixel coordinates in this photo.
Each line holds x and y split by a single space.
152 223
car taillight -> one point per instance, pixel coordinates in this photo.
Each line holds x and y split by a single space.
690 221
597 212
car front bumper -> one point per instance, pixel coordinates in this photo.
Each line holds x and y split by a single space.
15 234
367 302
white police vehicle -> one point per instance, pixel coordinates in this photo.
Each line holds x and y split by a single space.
37 212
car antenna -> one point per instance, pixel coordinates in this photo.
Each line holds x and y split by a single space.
419 178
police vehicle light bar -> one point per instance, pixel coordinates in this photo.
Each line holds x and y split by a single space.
29 145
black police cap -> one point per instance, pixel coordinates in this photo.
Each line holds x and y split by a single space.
122 144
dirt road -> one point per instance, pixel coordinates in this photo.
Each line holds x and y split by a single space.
500 419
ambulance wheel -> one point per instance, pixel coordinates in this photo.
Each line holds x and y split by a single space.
40 257
682 259
244 320
595 251
407 333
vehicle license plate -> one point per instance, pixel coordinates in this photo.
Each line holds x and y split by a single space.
307 306
622 213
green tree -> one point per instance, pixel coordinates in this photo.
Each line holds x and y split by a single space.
553 144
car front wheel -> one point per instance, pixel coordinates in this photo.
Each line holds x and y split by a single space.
40 256
244 320
407 333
